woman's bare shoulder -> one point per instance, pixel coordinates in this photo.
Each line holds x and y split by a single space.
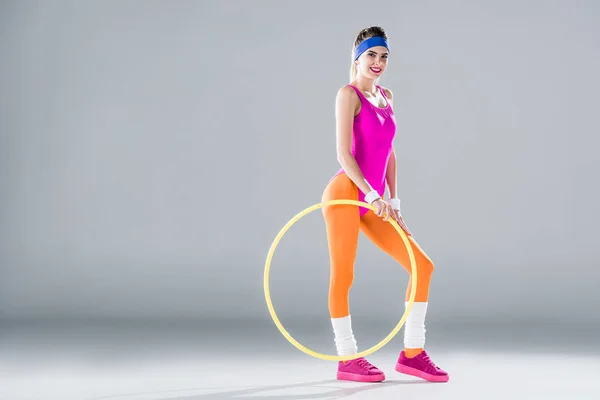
347 94
388 92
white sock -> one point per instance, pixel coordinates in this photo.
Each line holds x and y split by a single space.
344 338
414 327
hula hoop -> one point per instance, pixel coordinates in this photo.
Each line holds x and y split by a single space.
293 341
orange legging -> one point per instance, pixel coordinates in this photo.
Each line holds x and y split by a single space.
343 223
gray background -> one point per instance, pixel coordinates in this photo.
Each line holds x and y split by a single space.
150 153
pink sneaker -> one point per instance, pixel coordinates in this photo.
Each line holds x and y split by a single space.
359 370
421 366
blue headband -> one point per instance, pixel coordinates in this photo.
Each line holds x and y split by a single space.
367 44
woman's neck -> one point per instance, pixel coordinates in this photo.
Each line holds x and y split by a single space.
366 85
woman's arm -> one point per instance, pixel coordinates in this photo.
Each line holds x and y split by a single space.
345 104
390 175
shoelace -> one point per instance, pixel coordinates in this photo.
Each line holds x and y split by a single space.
364 363
426 358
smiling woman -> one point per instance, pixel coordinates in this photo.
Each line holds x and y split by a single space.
374 42
365 131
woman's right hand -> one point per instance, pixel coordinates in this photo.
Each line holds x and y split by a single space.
385 210
382 209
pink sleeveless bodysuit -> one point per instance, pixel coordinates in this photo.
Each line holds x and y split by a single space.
372 141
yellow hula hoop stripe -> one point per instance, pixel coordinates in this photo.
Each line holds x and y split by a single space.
270 303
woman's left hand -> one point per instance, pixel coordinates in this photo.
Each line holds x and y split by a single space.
398 218
395 206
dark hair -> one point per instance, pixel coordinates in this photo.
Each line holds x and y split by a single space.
362 36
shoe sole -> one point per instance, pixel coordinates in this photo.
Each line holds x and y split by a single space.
346 376
420 374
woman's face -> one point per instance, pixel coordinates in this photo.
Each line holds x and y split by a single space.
373 62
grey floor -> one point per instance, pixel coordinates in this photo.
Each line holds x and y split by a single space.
85 361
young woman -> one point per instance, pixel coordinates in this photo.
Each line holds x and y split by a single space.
365 130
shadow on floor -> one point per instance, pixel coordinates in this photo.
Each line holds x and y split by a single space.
254 392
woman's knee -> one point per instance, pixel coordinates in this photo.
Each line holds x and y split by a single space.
342 282
425 266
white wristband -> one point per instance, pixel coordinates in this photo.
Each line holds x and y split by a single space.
395 202
372 196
